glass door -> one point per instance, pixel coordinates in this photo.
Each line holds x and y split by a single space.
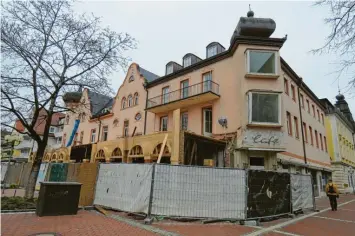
207 121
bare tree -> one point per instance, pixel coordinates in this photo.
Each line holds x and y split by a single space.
341 39
47 50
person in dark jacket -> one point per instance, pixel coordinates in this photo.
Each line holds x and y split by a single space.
332 192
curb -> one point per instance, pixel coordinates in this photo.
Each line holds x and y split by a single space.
142 226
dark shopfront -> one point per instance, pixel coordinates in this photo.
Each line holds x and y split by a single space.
79 153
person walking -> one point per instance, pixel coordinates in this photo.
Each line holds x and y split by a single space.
332 192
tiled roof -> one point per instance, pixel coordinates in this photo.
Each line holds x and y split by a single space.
149 76
98 102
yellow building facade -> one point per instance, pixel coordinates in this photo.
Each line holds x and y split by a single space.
341 146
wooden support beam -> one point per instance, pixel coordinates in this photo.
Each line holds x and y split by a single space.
162 148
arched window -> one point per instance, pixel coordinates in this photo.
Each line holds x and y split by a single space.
100 154
117 152
136 150
130 100
123 103
115 123
136 99
131 78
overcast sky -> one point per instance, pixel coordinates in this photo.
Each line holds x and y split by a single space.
166 31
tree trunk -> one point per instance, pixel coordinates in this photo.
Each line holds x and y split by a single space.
37 160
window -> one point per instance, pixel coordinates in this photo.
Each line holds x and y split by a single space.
104 133
318 116
261 62
264 108
165 97
123 103
305 132
256 163
93 136
125 128
311 135
67 120
293 92
115 123
289 125
325 144
59 140
297 132
184 121
286 86
321 141
169 69
302 100
164 123
83 116
64 139
184 89
81 137
75 139
207 121
187 61
131 78
322 118
138 117
130 101
212 51
316 136
314 111
207 81
135 99
51 129
308 107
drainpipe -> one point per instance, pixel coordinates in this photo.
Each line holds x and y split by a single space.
98 138
300 110
145 112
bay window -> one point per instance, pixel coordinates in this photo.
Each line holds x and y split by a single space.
261 62
264 108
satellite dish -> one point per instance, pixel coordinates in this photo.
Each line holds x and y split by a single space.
223 121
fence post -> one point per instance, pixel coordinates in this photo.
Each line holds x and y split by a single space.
291 203
313 196
97 178
246 194
148 219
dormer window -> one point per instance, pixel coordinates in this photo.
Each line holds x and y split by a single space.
169 69
187 61
212 51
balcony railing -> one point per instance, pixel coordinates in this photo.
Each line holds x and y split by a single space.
184 93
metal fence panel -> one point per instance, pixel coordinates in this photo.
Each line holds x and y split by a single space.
13 174
191 191
3 170
124 186
302 194
25 175
269 194
41 174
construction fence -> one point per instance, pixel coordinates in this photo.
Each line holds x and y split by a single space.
85 173
201 192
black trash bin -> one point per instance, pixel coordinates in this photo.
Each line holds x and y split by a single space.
58 198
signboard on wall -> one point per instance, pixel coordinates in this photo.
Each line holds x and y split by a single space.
260 138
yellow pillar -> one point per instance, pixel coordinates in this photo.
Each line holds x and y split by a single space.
176 137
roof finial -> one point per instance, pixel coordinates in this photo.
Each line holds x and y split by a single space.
250 12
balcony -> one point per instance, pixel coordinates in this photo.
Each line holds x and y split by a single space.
195 94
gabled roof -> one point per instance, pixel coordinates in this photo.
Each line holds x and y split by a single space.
98 102
149 76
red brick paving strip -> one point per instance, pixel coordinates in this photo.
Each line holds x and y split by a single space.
317 226
206 230
83 224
